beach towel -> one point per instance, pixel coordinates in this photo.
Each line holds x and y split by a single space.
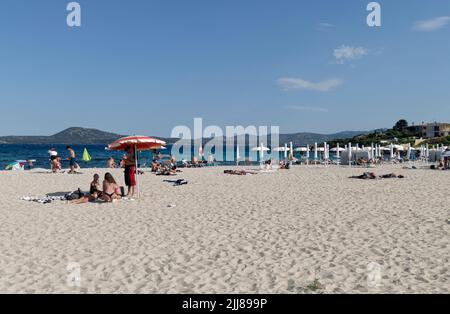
42 200
177 182
50 198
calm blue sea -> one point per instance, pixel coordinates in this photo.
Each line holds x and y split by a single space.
11 153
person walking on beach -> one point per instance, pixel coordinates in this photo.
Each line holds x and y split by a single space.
72 161
130 171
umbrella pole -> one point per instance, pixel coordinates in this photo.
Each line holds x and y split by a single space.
137 170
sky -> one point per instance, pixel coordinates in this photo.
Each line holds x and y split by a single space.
146 66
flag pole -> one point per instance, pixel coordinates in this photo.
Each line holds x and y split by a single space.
137 170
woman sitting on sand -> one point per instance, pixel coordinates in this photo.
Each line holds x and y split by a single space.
111 190
362 162
155 165
94 192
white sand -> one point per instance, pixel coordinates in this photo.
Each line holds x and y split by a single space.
272 233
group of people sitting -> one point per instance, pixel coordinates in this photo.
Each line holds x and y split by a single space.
284 164
444 164
371 161
167 168
109 191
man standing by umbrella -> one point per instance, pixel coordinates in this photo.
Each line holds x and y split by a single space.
130 170
133 144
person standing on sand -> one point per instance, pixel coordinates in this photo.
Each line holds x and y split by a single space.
130 171
72 161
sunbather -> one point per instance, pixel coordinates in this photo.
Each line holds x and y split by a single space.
366 176
94 192
239 172
166 171
111 190
362 162
373 176
392 175
155 165
177 182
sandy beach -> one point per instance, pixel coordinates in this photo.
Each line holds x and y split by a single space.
304 230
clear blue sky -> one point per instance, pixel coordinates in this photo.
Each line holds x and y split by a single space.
144 66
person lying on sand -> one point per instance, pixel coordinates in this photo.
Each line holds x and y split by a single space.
373 176
366 176
239 172
94 192
177 182
392 176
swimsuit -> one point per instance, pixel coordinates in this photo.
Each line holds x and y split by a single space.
130 178
94 189
110 195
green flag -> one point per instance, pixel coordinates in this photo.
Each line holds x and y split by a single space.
86 156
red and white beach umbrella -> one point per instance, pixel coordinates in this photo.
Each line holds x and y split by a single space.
139 143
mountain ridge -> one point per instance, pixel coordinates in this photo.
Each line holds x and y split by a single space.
78 135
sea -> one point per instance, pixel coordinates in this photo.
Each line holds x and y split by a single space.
10 153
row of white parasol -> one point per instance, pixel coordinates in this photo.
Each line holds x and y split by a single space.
375 150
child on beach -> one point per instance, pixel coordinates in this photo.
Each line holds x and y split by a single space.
56 164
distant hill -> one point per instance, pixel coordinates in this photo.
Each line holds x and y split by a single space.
301 139
297 139
69 136
77 135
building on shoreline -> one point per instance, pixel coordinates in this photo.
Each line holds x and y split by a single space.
431 130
